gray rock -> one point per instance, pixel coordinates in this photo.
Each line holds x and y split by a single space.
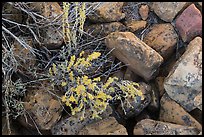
184 82
151 127
167 10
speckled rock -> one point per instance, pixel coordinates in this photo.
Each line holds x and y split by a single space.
172 112
104 29
198 101
72 125
44 108
131 11
184 82
162 38
141 59
107 126
167 10
151 127
136 25
144 11
107 12
189 23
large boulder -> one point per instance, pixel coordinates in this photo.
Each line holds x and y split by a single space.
141 59
184 81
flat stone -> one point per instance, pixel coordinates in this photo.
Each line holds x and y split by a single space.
167 11
104 29
107 12
184 81
135 25
189 23
141 59
152 127
162 38
144 11
107 126
172 112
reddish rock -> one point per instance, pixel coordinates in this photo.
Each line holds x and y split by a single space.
141 59
144 11
135 25
172 112
189 23
152 127
162 38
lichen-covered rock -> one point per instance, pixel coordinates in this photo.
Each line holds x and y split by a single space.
152 127
136 25
167 10
144 11
72 125
141 59
184 82
162 38
172 112
42 107
104 29
107 12
189 23
107 126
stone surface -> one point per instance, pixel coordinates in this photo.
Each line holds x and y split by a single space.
162 38
131 11
104 29
167 10
151 127
144 11
172 112
72 125
184 82
160 85
107 126
189 23
107 12
198 101
42 107
141 59
136 25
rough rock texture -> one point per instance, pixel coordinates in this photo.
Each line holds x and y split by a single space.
131 11
160 85
104 29
162 38
144 11
43 108
167 10
11 13
198 101
24 56
136 25
107 126
174 113
189 23
184 82
151 127
142 60
107 12
72 125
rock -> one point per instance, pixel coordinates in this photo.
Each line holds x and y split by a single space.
167 10
172 112
197 114
104 29
72 125
189 23
160 85
136 25
107 126
162 38
42 107
10 12
25 58
200 3
198 101
107 12
131 12
130 75
184 82
151 127
144 11
141 59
